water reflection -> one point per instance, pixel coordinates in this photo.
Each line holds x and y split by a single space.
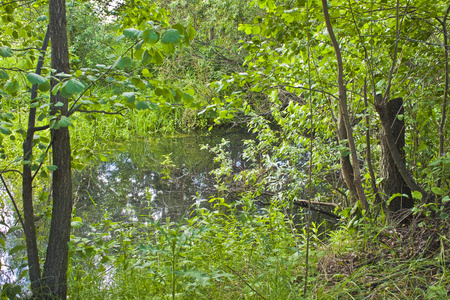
132 179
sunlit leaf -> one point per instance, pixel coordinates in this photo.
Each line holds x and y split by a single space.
131 32
74 86
35 78
5 51
150 36
142 105
171 36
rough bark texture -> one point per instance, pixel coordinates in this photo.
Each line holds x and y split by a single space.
381 108
393 182
55 267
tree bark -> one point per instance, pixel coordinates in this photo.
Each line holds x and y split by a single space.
56 262
34 268
381 108
393 181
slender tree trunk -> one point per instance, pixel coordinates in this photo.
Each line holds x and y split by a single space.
56 262
34 268
343 111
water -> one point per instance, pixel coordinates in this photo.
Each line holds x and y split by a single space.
132 180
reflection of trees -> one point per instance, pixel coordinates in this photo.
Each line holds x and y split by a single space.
131 183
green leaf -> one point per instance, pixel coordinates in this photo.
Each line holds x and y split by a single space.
52 168
142 105
417 195
44 87
146 58
42 18
14 228
150 36
436 190
77 222
124 62
64 122
17 249
3 75
131 97
5 51
34 78
5 130
171 36
74 86
12 87
131 32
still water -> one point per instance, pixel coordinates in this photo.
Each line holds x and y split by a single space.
133 180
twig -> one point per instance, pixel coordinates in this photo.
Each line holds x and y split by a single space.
241 278
12 200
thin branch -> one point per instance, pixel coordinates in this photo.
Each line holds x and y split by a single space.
241 278
73 107
6 171
12 200
102 111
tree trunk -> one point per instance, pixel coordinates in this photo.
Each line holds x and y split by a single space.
55 267
393 182
34 268
348 170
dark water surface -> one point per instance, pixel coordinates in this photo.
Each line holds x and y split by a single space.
132 181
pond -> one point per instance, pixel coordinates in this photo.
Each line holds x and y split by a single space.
134 180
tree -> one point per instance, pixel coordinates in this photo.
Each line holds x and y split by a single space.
67 96
390 46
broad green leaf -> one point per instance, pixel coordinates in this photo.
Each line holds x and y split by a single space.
17 249
52 168
59 104
74 86
146 58
417 195
131 97
124 62
150 36
142 105
14 228
44 87
42 18
77 222
131 32
64 122
5 51
12 87
34 78
3 75
78 73
171 36
5 130
436 190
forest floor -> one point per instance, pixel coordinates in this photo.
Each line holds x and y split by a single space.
408 261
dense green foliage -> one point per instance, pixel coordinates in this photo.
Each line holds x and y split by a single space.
140 69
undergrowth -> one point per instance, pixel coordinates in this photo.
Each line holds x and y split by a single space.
234 251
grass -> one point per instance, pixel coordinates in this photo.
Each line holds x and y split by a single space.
224 253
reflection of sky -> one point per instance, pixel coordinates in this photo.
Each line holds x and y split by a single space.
131 183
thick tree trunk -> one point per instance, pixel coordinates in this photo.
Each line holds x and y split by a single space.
55 267
393 182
